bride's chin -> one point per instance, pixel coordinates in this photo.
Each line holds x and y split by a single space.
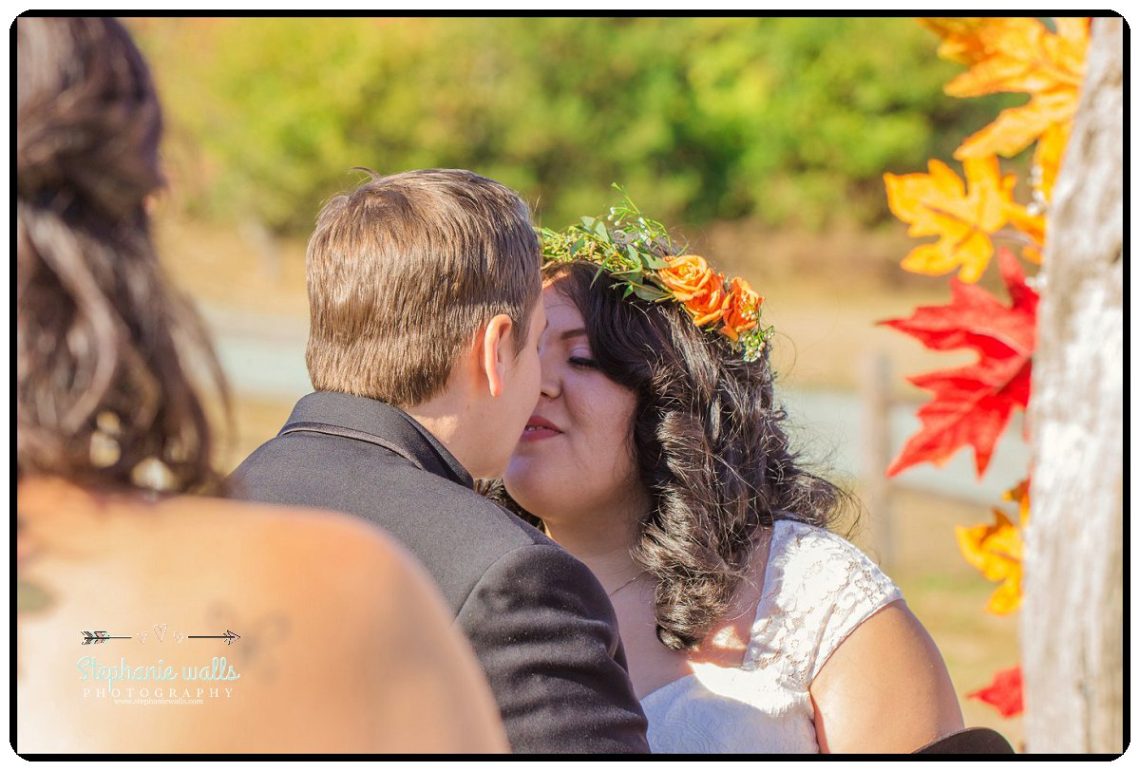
525 473
526 492
520 495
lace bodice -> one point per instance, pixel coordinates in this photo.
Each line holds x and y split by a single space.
817 589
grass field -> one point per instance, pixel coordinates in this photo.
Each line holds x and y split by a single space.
824 307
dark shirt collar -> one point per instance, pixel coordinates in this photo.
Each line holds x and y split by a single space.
370 416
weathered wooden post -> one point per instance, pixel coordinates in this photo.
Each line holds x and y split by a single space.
1072 617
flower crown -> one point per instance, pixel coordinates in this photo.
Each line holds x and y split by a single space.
628 246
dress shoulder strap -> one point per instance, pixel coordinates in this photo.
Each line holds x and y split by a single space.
818 587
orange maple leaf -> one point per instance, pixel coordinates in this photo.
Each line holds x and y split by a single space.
1018 55
937 204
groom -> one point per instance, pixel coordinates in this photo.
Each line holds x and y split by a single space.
425 308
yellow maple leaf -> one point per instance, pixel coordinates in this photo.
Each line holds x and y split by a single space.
938 204
996 551
1016 128
1017 55
1006 598
1070 46
1047 158
1033 227
1019 494
1021 55
960 40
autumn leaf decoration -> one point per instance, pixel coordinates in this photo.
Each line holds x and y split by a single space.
1004 55
963 216
1018 55
1004 693
972 404
996 550
972 217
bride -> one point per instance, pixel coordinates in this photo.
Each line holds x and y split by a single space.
657 456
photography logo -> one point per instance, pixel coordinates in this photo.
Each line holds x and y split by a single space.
94 638
157 683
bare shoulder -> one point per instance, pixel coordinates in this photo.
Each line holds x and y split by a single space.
891 634
270 533
322 605
317 558
885 688
353 590
363 624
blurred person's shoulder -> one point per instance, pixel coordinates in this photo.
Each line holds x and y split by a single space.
279 576
221 546
317 602
276 546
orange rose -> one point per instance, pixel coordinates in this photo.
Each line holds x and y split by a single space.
695 284
742 309
686 277
708 307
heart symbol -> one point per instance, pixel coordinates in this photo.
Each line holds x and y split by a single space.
159 631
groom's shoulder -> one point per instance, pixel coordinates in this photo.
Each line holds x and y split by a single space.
467 540
470 511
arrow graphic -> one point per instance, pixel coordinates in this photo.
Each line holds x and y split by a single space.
99 636
229 636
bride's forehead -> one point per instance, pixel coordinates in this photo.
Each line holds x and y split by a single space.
560 309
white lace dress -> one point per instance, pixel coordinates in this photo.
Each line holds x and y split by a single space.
817 589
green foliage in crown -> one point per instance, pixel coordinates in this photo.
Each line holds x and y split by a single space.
636 251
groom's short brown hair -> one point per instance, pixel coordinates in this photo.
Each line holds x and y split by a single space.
403 270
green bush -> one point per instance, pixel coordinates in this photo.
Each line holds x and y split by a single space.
787 120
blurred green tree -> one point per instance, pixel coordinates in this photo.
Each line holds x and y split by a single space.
788 120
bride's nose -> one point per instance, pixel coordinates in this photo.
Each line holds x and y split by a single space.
551 381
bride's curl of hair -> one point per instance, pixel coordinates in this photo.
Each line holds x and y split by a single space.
710 448
103 347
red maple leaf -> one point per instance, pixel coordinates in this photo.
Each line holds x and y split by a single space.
972 404
1004 693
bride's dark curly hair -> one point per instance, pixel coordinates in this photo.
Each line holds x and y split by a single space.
710 448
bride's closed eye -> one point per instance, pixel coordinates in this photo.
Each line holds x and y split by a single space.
583 361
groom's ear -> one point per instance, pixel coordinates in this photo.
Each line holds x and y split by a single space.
497 352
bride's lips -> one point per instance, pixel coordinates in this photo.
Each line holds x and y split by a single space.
539 428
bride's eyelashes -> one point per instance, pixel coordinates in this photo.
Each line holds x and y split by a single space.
583 362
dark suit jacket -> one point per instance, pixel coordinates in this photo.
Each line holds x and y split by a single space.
539 621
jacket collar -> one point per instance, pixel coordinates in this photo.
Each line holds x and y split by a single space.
380 419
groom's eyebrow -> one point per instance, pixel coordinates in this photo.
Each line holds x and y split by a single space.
572 333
